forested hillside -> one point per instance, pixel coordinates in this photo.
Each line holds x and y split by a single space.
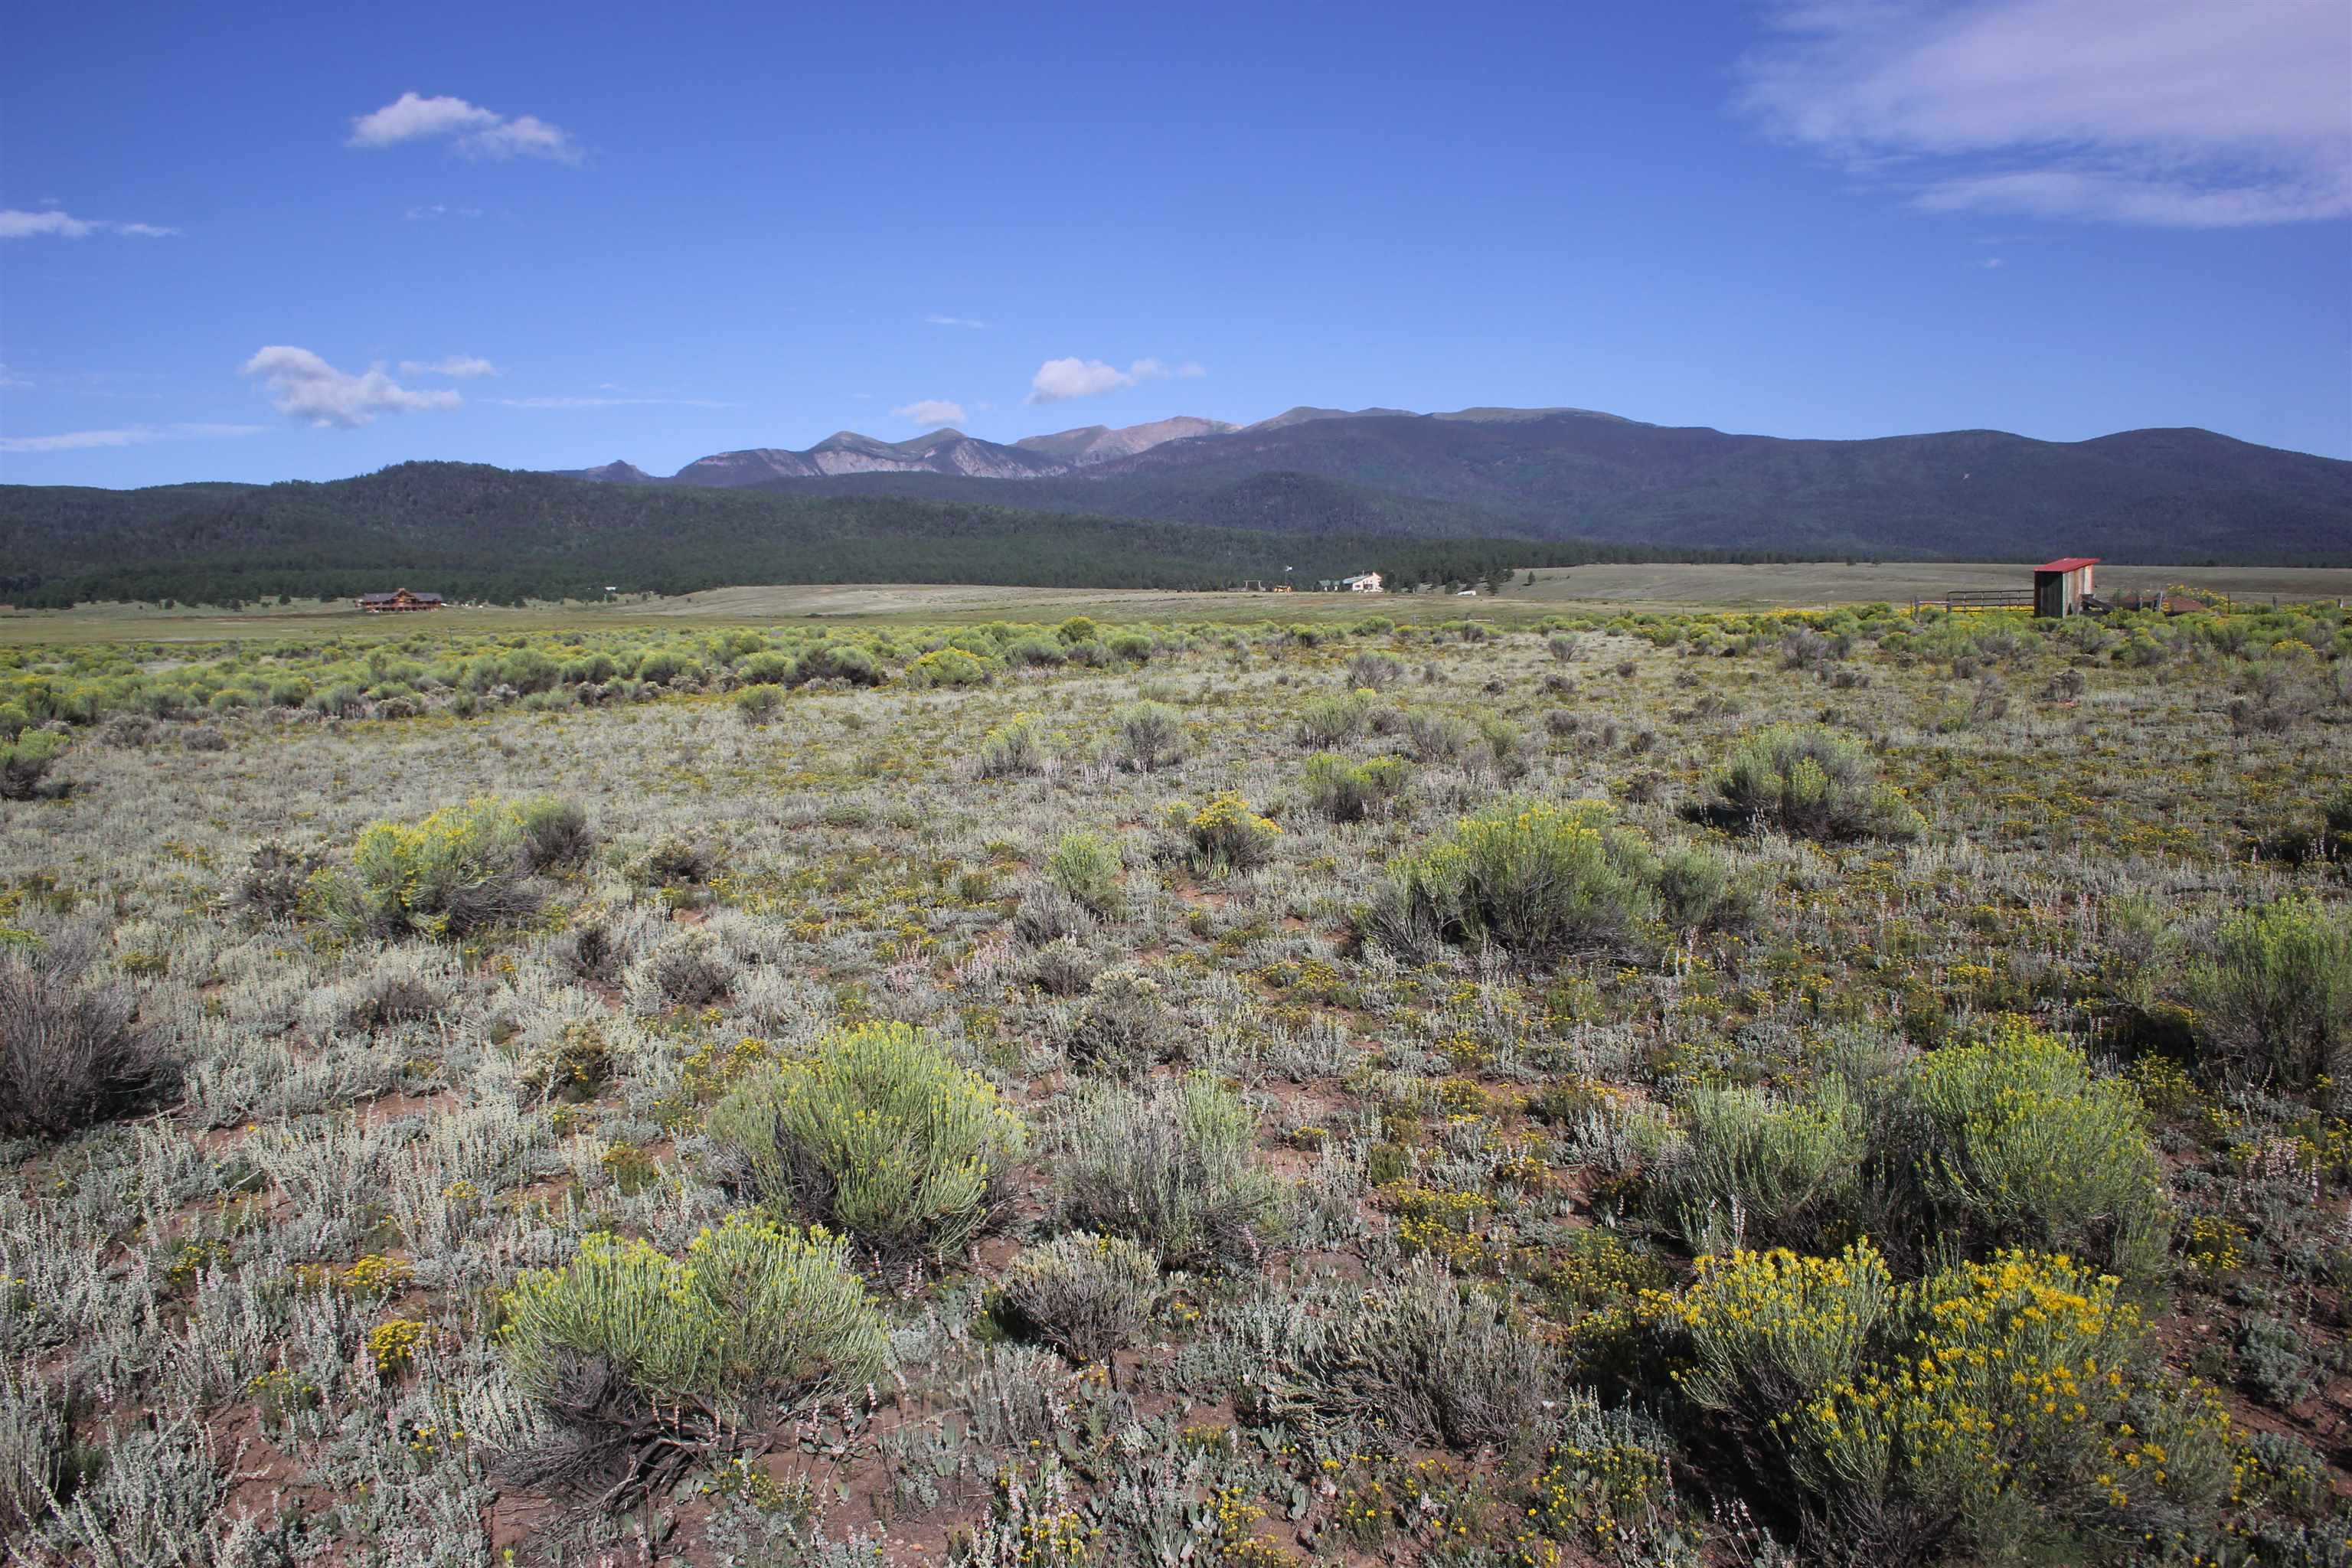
477 532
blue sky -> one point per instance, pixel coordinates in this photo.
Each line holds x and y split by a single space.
307 242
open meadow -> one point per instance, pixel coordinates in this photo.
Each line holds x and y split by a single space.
821 1077
1628 589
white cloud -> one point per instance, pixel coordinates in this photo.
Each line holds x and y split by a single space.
19 225
130 435
955 321
931 411
438 210
607 401
2174 112
307 387
1059 378
456 367
11 381
476 131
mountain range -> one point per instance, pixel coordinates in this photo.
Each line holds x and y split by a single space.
2171 495
1189 502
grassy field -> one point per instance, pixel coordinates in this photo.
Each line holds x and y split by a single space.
1666 1090
1658 587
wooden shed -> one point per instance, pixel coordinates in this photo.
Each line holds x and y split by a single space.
2060 586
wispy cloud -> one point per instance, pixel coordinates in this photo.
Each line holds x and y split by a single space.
1993 263
2174 112
12 382
955 321
931 411
127 435
456 367
473 131
608 402
307 387
433 210
1057 379
55 224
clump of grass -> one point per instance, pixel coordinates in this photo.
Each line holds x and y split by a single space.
1087 1296
649 1364
878 1134
1812 782
1333 720
2274 995
1173 1167
73 1055
1755 1168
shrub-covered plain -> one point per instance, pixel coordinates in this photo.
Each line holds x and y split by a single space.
1491 1093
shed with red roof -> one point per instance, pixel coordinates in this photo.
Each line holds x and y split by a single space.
2060 586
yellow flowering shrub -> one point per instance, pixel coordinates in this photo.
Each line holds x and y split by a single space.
1225 835
2026 1147
1988 1401
392 1345
878 1134
456 871
1763 1329
948 667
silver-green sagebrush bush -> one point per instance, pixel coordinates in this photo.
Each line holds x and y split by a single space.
1424 1359
1150 735
878 1134
1085 1295
73 1055
1812 782
1172 1166
2274 995
1544 883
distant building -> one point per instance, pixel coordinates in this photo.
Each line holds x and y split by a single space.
399 599
2060 586
1365 583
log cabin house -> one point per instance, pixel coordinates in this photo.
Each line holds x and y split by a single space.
397 600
